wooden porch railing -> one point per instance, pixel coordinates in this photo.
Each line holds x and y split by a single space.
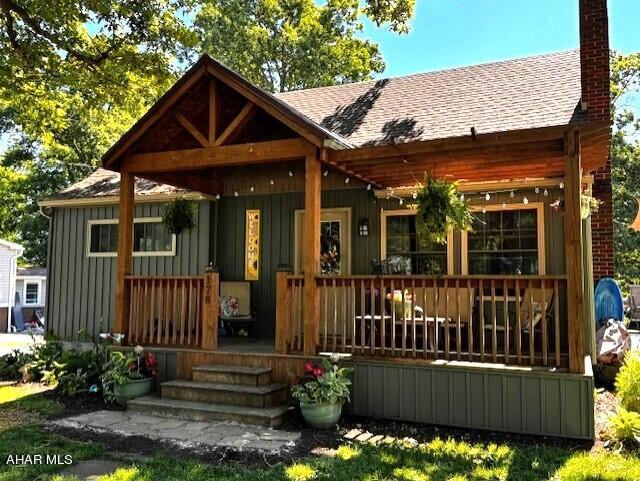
176 310
517 320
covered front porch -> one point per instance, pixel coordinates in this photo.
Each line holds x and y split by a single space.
213 128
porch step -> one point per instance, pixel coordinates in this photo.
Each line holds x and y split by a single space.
223 374
264 396
200 411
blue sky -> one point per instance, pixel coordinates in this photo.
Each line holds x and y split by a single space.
451 33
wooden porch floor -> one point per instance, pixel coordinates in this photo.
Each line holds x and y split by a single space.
246 345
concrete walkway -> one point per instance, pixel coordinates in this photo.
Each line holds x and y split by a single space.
183 433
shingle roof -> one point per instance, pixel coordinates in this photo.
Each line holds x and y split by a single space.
523 93
105 183
32 272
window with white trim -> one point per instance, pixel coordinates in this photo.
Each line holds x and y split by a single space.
506 241
150 238
401 239
31 293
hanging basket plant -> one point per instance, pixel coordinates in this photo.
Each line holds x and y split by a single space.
588 205
179 215
441 210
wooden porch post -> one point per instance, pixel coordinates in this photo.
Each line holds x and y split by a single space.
210 308
125 252
311 260
283 313
573 250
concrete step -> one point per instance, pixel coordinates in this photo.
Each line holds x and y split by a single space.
265 396
200 411
221 374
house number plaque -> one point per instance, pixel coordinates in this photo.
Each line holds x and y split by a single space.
252 246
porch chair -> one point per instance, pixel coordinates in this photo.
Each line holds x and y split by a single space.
528 313
236 311
444 311
634 304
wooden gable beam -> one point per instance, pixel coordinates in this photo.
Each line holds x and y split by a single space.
213 110
225 155
237 124
192 129
260 101
168 100
188 181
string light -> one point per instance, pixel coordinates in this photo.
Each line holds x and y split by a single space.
346 181
525 201
235 193
271 182
368 186
414 195
546 193
290 174
562 185
462 197
325 173
217 196
487 196
504 205
401 201
512 194
252 188
537 190
484 210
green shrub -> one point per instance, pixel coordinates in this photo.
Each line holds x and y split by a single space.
625 425
73 370
628 382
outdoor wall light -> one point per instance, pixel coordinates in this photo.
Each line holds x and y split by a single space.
363 227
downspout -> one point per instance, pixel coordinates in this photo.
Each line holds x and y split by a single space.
13 269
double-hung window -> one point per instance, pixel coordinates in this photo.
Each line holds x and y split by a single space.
505 241
401 240
150 238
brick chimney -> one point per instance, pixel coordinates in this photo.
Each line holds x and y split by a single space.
594 68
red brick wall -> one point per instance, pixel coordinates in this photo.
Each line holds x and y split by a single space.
594 60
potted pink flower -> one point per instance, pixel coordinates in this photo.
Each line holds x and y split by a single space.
321 391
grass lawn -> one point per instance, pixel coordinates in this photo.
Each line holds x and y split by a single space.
24 410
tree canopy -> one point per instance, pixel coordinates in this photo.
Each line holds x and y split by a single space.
75 75
293 44
625 163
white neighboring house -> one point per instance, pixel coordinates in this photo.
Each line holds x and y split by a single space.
9 254
31 286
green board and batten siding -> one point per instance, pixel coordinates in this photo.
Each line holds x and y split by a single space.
82 295
82 288
497 399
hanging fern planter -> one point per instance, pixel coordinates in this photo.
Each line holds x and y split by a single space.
441 210
179 215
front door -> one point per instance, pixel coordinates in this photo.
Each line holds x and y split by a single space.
335 241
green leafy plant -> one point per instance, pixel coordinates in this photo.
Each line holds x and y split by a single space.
179 215
441 210
588 205
124 367
625 425
628 382
322 383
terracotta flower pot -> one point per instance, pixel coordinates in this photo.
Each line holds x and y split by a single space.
322 416
132 389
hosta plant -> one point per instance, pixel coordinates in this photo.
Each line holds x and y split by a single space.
323 382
